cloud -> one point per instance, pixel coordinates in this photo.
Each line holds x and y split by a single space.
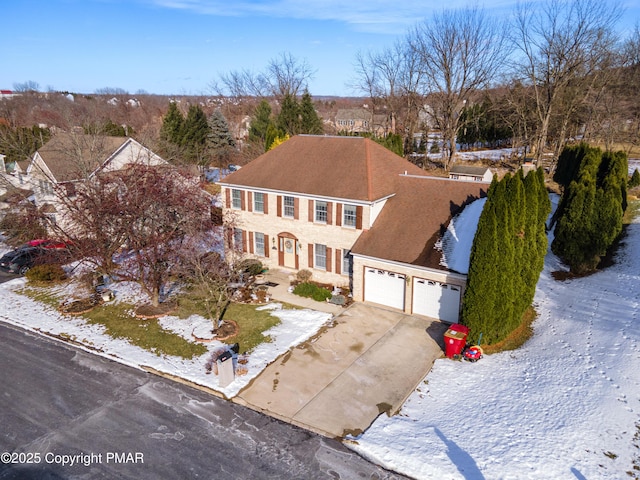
377 16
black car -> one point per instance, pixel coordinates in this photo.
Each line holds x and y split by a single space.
22 259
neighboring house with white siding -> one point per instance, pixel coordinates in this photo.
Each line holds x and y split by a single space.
71 158
354 214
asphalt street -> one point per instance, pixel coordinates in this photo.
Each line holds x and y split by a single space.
66 414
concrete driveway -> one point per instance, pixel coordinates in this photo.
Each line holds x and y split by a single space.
337 383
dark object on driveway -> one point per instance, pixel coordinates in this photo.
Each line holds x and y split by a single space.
21 260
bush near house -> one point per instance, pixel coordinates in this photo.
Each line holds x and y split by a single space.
46 273
311 290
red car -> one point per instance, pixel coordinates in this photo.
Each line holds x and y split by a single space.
46 243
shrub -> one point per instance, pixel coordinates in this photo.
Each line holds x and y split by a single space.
635 179
46 273
303 276
311 290
251 266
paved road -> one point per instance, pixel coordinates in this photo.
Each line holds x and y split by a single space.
59 404
6 276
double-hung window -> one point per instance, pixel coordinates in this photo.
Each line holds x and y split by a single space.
236 199
349 215
289 205
347 263
258 202
321 212
259 241
320 256
237 239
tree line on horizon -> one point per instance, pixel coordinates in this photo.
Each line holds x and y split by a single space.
551 74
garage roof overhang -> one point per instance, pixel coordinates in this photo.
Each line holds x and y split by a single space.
415 268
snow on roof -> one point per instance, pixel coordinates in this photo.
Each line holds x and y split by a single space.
456 243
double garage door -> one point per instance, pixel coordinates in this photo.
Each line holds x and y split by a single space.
430 298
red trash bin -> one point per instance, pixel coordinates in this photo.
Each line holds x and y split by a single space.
455 338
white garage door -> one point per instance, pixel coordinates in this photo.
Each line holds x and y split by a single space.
435 299
383 287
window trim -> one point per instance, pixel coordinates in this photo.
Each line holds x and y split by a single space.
257 203
320 256
292 207
236 193
256 243
348 258
318 213
353 219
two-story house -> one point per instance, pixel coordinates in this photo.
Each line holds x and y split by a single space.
354 214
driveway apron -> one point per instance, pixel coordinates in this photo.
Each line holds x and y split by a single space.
367 362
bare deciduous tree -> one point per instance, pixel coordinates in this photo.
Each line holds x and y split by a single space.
284 75
133 222
209 274
560 45
461 52
391 78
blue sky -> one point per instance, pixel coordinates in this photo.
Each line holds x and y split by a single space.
182 46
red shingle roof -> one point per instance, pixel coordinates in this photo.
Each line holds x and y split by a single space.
412 221
339 167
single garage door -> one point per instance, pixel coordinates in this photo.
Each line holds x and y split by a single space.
383 287
435 299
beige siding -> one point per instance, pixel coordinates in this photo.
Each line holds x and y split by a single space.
334 236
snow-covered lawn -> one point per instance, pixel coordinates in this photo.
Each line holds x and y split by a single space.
564 406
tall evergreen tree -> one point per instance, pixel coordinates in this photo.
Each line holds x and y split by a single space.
481 294
310 122
590 211
171 130
220 142
260 122
219 136
507 256
506 268
288 121
193 138
518 209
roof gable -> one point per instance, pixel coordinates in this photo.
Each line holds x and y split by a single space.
413 220
353 168
75 156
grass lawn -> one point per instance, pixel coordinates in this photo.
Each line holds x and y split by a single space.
120 322
251 322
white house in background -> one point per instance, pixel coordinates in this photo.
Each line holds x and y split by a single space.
69 158
471 174
354 214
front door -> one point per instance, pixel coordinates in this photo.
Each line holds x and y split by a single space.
288 252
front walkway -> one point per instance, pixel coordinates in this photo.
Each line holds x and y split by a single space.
278 281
